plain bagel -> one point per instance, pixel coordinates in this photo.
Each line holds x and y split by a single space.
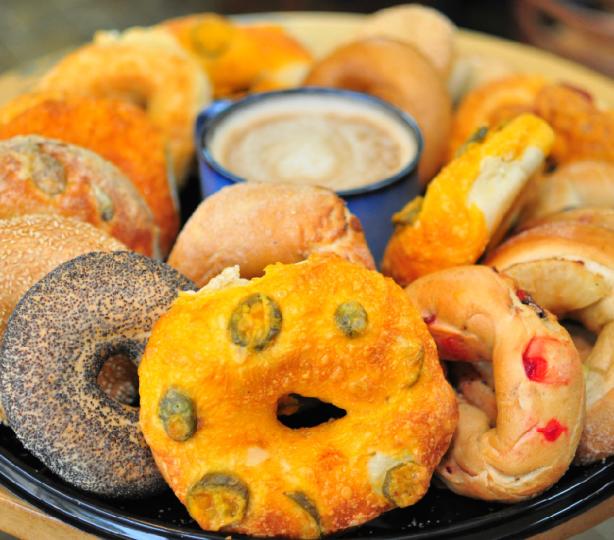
254 225
398 73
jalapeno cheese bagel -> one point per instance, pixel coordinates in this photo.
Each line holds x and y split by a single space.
254 225
148 68
398 73
45 176
119 132
221 363
477 315
62 331
466 203
571 186
569 269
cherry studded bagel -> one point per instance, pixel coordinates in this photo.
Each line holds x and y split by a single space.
569 269
65 327
218 370
477 315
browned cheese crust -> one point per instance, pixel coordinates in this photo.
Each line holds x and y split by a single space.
56 341
218 363
254 225
519 444
45 176
568 267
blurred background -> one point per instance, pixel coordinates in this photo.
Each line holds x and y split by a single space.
582 29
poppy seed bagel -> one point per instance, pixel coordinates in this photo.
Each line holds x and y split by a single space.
56 341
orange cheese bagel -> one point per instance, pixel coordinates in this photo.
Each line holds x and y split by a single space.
148 68
222 362
117 131
467 202
44 176
477 316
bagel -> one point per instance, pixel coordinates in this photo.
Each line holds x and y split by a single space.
568 267
477 315
238 59
583 132
44 176
491 104
599 217
220 363
33 245
254 225
117 131
57 339
397 73
466 203
425 28
148 68
571 186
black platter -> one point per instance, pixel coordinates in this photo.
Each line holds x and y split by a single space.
440 514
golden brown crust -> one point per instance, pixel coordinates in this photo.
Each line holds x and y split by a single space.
44 176
569 268
572 186
33 245
476 315
148 68
117 131
241 58
399 420
254 225
427 29
398 73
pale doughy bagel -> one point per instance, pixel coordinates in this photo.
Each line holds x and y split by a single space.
467 202
427 29
148 68
569 268
254 225
599 217
398 73
476 315
572 185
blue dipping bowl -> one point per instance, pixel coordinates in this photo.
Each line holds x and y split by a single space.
373 204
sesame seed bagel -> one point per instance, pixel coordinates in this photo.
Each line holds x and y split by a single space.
222 362
56 341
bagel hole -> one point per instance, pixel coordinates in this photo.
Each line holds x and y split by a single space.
583 339
295 411
118 379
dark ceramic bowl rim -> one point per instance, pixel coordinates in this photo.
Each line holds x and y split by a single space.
210 124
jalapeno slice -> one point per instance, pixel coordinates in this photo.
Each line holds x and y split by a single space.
403 484
351 318
308 506
178 415
255 322
218 499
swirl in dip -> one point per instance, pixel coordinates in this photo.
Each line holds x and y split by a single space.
324 140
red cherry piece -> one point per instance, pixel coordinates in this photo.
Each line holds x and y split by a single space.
552 430
522 295
535 365
429 319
